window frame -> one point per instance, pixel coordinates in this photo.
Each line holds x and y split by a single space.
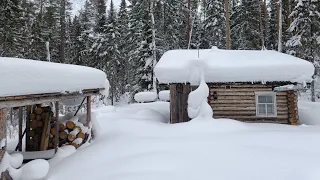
274 96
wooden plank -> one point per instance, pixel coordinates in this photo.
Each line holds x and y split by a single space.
249 93
28 128
252 117
88 110
279 121
3 130
46 131
240 90
56 145
245 113
214 105
241 86
244 109
39 99
234 97
252 101
20 128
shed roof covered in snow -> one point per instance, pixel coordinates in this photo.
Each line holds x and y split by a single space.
180 66
29 77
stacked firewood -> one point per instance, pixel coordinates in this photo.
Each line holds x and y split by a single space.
71 132
39 124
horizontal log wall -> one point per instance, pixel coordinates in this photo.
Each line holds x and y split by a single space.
237 101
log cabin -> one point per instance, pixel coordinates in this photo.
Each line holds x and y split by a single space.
245 85
36 89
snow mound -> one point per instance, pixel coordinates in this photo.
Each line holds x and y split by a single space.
55 77
309 112
164 95
34 170
150 115
142 97
107 109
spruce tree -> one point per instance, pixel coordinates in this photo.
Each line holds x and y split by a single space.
215 24
245 25
123 27
11 28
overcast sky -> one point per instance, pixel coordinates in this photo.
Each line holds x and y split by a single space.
78 4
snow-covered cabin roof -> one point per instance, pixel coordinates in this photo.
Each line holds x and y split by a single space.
29 77
180 66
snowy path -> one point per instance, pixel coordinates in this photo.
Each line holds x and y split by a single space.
134 148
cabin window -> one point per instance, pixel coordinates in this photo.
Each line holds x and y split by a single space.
266 104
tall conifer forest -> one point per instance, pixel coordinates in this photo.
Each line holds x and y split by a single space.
126 41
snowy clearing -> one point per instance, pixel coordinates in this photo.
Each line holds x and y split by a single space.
143 149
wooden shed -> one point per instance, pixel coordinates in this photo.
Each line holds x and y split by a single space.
35 89
245 85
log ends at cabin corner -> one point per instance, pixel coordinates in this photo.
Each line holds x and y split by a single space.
293 115
179 94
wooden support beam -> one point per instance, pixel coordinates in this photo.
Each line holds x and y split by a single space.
15 101
56 145
20 127
88 110
29 107
179 94
3 136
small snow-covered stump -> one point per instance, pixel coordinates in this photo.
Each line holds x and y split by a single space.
143 97
164 95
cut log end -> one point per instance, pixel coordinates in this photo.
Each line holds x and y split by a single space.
62 127
70 125
81 135
63 135
71 137
38 110
53 131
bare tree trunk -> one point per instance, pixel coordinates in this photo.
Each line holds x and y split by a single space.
188 23
63 30
154 61
228 40
280 27
262 35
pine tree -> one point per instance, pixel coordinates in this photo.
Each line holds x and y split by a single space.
11 28
87 22
215 24
305 26
245 25
272 38
123 27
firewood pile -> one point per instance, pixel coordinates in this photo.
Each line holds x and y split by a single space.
71 132
42 132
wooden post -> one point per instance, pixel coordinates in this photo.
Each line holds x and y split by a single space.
56 145
3 134
29 107
20 127
179 94
88 110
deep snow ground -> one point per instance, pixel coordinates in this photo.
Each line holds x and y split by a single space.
137 145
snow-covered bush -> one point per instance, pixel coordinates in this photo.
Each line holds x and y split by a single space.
142 97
